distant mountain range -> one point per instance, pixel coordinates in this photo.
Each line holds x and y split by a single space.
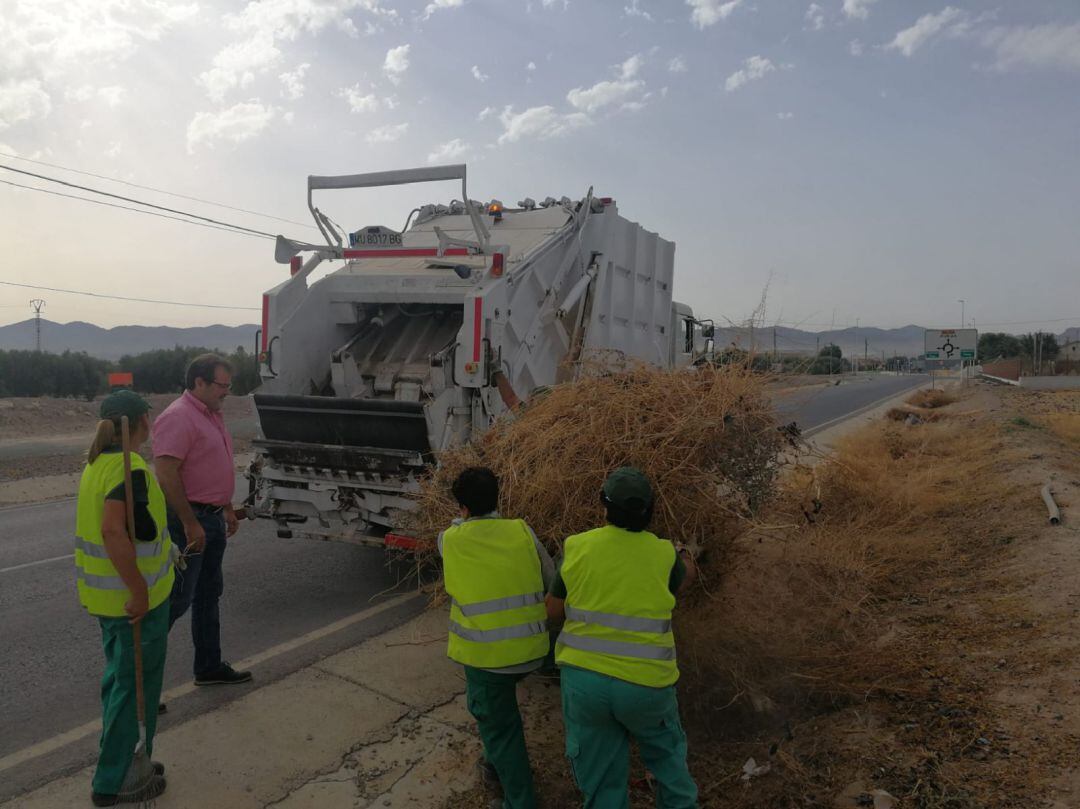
111 344
115 342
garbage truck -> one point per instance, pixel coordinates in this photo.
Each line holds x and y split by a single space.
427 334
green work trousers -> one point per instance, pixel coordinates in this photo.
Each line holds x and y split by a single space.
119 721
601 714
492 700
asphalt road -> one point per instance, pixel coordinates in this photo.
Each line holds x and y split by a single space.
816 406
277 592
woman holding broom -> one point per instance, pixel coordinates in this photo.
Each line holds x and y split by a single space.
125 574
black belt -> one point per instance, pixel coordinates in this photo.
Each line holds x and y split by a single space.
206 508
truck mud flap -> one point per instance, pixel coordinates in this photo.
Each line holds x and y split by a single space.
329 422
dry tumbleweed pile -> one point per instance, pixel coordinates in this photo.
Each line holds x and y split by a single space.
706 437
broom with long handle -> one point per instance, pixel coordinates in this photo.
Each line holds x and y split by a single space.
141 765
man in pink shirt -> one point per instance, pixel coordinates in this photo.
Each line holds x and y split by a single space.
193 458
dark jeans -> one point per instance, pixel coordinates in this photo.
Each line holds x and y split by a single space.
200 587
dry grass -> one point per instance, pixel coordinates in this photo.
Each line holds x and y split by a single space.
1064 425
707 440
934 397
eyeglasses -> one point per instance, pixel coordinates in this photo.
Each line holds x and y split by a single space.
222 385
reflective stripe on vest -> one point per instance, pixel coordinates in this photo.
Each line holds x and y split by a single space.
495 635
615 621
101 590
492 573
498 604
142 549
117 583
618 606
616 647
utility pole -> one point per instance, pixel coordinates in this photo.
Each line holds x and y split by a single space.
962 320
774 356
855 353
37 304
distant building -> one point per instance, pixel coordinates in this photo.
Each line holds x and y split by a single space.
1070 351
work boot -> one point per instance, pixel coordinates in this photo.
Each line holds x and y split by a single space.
146 792
162 708
223 675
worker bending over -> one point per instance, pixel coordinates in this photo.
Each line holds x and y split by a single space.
496 573
616 652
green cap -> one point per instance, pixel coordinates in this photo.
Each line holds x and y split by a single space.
626 485
124 403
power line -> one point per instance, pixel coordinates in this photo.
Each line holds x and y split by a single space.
135 300
158 190
136 201
133 210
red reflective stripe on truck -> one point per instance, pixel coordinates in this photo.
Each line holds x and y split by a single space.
410 253
478 322
265 319
401 541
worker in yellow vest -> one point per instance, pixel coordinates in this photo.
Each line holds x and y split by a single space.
496 573
122 582
615 589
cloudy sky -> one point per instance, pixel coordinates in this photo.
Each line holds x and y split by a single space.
871 159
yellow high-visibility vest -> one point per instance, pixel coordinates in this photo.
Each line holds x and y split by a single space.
618 606
492 573
101 590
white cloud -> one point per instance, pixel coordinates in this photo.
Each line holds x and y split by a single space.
815 17
1048 46
236 124
602 94
439 5
358 100
538 122
8 151
113 95
485 113
235 66
550 3
710 12
753 68
676 65
451 150
288 117
857 9
785 116
396 63
531 66
631 67
855 48
387 134
292 82
925 28
45 39
22 100
262 24
634 10
478 74
114 150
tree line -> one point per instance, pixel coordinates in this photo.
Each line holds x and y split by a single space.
77 374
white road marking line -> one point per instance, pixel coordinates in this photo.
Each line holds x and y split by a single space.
38 562
94 727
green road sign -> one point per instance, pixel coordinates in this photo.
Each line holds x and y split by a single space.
967 355
933 355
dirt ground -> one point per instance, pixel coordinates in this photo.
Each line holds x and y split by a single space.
959 687
68 425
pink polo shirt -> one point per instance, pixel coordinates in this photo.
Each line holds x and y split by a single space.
189 430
